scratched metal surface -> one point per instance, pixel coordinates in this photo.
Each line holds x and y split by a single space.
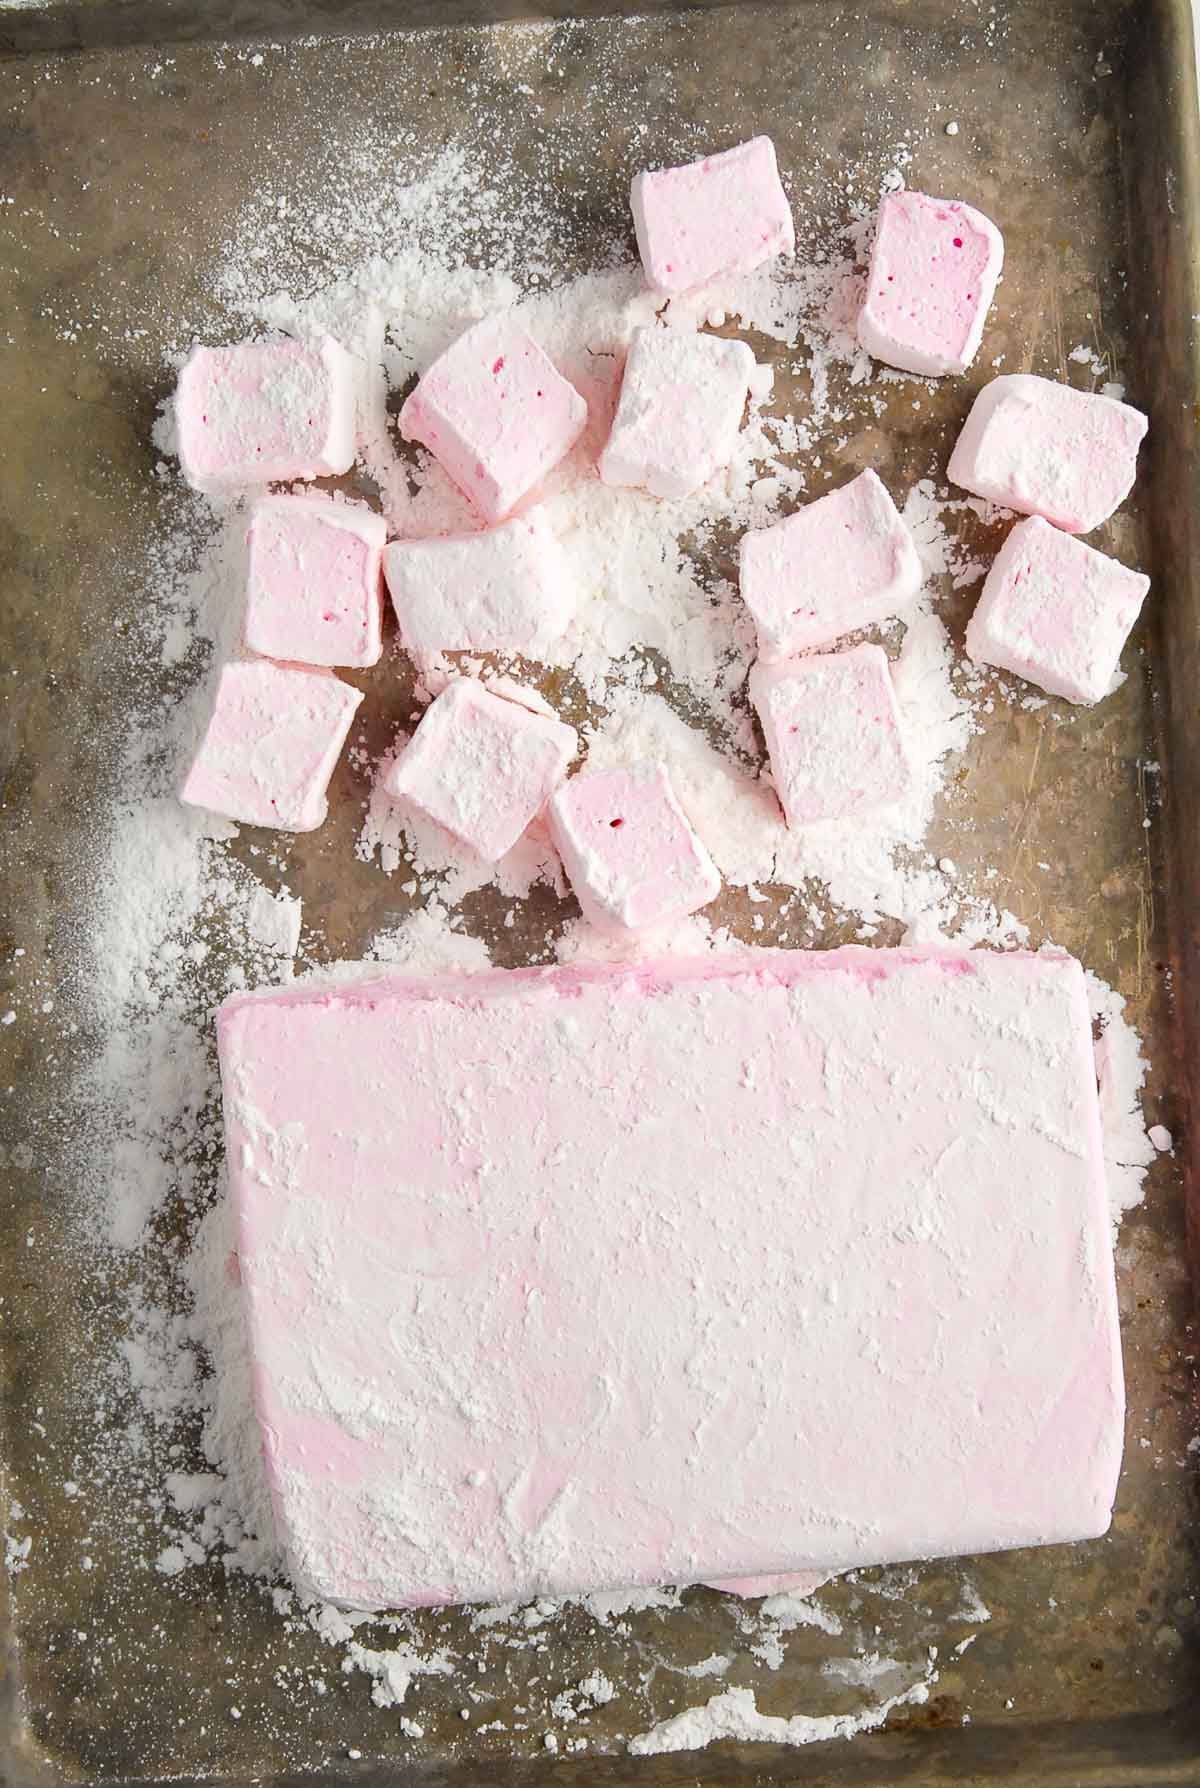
119 185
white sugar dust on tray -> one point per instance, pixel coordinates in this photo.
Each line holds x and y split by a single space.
607 577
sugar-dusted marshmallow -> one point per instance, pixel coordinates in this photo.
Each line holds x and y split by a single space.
1045 449
833 733
930 285
577 1278
843 562
265 410
482 766
314 593
1056 612
496 414
682 401
725 214
271 745
507 589
628 848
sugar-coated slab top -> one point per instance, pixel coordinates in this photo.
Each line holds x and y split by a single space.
932 277
1043 448
600 1276
726 213
844 561
314 588
1056 611
683 395
505 589
265 410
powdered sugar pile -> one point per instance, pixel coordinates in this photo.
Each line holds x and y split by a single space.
654 665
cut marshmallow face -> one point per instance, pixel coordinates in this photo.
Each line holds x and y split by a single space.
314 592
264 411
482 766
1056 612
271 745
844 562
833 733
1045 449
683 397
568 1279
628 849
506 589
930 284
725 214
496 414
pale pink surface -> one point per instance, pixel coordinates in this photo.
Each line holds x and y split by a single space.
683 396
628 849
843 562
582 1278
794 1583
930 284
271 746
724 214
265 410
314 592
482 766
833 733
1046 449
506 589
496 413
1056 612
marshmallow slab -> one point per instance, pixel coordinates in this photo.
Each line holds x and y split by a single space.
1045 449
588 1277
628 848
843 562
314 592
263 411
496 414
507 589
833 733
681 406
725 214
271 745
930 284
482 766
1056 612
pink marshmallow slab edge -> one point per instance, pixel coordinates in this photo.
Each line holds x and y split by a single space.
725 213
275 628
925 290
296 450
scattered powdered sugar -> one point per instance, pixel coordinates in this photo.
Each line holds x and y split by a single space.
734 1714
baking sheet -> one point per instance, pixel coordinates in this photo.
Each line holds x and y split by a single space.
121 179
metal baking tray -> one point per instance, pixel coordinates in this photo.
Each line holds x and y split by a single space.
1079 132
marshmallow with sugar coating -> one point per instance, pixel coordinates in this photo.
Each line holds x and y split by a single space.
724 214
482 766
833 733
930 284
506 589
496 414
628 848
1043 448
681 406
314 593
271 744
265 410
1056 612
843 562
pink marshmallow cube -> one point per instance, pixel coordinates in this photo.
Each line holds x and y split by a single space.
628 848
271 745
265 410
725 214
932 278
1045 449
481 766
507 589
1056 612
496 414
833 734
843 562
315 590
682 401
